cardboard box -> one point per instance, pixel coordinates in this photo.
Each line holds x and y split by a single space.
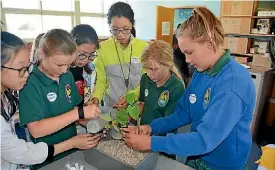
237 7
241 60
261 61
236 45
266 13
236 25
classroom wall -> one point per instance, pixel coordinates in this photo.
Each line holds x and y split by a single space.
145 13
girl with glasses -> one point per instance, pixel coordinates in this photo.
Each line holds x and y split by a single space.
15 70
82 68
50 101
118 64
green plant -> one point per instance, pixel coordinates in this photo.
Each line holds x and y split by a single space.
123 116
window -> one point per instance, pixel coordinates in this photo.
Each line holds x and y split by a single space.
58 5
51 21
98 23
91 6
31 4
28 18
24 26
109 3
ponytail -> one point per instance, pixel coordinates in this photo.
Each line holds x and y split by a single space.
176 72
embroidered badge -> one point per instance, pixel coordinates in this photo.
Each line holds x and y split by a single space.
68 92
206 98
146 92
192 98
51 96
163 98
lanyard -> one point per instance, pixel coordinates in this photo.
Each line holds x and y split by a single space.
126 80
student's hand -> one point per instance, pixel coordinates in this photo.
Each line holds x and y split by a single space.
84 141
121 103
94 101
144 130
138 142
91 111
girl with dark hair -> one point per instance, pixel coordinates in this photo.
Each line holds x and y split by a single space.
118 64
83 68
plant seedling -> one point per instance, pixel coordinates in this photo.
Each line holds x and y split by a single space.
123 116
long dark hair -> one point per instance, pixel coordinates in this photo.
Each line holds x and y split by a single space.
10 45
83 34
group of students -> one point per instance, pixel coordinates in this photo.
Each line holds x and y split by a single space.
57 92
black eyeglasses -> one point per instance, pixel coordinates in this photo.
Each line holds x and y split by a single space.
22 71
91 57
117 31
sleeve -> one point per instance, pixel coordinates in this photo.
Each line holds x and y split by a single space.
174 98
29 98
226 107
76 95
180 117
141 93
101 79
18 151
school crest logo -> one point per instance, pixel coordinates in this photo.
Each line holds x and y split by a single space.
68 92
146 92
206 98
163 98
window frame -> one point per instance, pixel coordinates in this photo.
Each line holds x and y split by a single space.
75 14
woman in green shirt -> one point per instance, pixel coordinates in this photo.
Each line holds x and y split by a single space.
48 102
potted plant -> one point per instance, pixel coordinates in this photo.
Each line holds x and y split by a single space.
122 118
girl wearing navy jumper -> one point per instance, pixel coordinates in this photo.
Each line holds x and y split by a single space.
218 102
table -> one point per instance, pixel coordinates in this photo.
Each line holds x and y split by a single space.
163 163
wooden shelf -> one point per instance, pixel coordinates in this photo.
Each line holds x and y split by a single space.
261 37
241 55
264 17
247 16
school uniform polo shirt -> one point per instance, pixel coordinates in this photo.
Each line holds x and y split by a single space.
44 98
159 101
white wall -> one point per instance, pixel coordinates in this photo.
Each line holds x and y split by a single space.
145 13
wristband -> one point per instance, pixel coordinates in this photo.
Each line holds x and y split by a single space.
81 112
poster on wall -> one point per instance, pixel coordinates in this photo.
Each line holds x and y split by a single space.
165 28
181 15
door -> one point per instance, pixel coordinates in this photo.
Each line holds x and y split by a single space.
164 25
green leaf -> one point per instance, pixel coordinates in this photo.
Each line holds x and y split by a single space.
106 117
134 111
130 97
122 117
108 126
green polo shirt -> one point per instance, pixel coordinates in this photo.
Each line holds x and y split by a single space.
219 64
44 98
159 101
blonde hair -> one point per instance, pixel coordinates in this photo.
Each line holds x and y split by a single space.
35 46
203 26
57 41
162 52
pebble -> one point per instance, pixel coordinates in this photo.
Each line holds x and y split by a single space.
120 151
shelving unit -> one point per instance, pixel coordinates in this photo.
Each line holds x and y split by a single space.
260 37
238 19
